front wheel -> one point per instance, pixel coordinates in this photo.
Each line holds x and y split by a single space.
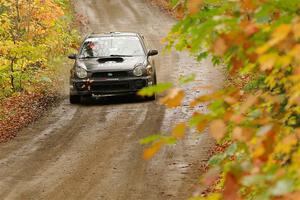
151 98
74 99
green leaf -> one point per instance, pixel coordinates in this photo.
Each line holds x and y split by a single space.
170 140
151 90
150 139
187 79
216 159
232 149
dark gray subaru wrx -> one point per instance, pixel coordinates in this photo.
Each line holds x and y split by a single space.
112 63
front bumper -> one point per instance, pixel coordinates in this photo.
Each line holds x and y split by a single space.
109 86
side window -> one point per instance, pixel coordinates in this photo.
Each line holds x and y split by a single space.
145 43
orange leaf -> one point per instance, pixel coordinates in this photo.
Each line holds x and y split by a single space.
290 196
230 100
297 132
173 98
179 130
237 118
241 134
231 188
236 65
278 35
250 101
211 176
219 47
151 151
194 6
251 28
204 98
217 129
248 5
201 126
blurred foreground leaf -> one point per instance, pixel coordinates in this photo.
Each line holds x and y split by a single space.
155 89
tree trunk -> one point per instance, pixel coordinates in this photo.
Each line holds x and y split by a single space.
12 78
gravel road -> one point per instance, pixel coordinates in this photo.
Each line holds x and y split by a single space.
92 151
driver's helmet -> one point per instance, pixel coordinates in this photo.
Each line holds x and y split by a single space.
90 45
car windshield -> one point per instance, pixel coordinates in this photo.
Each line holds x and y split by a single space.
112 46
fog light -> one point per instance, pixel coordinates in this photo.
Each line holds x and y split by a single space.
80 86
139 84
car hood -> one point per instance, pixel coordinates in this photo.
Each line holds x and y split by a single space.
111 64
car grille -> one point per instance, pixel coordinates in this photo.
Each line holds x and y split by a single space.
111 87
117 74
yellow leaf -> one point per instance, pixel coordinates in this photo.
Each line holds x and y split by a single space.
286 145
284 61
217 129
295 52
296 30
263 48
278 35
281 32
267 61
173 98
179 130
258 152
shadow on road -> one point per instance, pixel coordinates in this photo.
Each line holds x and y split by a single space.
114 100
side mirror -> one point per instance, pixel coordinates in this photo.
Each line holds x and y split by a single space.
72 56
152 52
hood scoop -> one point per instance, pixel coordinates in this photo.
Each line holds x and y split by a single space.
110 59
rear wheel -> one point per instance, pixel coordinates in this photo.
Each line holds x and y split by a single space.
74 99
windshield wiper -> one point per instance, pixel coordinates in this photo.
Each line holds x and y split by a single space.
116 55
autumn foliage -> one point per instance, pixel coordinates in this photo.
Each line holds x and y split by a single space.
33 34
258 112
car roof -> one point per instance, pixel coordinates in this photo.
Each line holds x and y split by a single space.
111 34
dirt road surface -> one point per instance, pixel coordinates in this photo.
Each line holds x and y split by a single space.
93 151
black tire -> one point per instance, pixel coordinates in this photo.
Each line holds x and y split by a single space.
86 99
155 79
75 99
152 98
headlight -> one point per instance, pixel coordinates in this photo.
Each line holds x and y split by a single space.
149 70
80 72
138 70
